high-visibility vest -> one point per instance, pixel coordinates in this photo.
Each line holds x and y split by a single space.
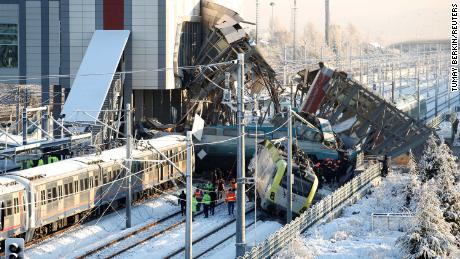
194 202
207 199
52 159
230 196
40 162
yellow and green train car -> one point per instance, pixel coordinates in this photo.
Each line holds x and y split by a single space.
272 181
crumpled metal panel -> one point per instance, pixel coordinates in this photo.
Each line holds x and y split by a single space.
224 39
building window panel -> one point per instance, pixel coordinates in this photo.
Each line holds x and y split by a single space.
8 45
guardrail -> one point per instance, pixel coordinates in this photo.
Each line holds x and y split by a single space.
278 240
438 119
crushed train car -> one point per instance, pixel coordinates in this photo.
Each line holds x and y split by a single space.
272 181
357 114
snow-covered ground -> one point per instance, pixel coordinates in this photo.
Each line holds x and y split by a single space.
75 241
351 235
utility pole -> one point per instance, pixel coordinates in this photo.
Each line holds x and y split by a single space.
294 31
392 83
128 164
326 30
24 118
257 21
436 91
272 4
289 169
241 174
418 91
284 67
188 205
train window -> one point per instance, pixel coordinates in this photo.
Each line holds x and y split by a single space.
49 195
60 191
16 205
24 202
104 178
9 208
43 197
76 186
82 186
54 194
66 189
70 188
161 173
86 183
96 180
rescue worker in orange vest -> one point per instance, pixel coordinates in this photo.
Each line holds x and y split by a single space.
230 199
199 198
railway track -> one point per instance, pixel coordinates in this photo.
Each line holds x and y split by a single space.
139 236
215 237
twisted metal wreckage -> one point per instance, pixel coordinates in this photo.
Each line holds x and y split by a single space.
224 38
358 114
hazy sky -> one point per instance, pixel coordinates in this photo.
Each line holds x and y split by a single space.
390 20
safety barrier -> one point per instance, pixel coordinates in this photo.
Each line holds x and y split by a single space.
438 119
281 238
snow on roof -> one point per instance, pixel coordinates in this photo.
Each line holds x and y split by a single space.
78 163
8 185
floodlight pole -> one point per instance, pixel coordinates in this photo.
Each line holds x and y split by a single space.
289 169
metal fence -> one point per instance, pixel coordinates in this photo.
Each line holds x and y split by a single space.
281 238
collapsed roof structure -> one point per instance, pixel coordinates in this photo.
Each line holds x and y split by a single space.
223 39
377 125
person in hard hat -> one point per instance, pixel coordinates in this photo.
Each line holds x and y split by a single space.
194 203
206 203
213 195
220 189
230 199
199 197
182 202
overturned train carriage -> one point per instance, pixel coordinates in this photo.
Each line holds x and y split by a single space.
44 199
365 118
270 175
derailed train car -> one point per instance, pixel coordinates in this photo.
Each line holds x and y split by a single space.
272 184
41 200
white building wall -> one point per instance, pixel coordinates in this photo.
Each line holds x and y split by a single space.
152 44
145 43
81 29
33 42
9 13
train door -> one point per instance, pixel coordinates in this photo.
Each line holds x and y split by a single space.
91 191
41 202
76 191
60 196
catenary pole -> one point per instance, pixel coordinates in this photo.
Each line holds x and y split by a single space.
128 164
289 168
188 206
240 218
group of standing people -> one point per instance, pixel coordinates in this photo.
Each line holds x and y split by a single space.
208 197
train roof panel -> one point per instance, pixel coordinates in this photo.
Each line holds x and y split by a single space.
78 163
8 185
